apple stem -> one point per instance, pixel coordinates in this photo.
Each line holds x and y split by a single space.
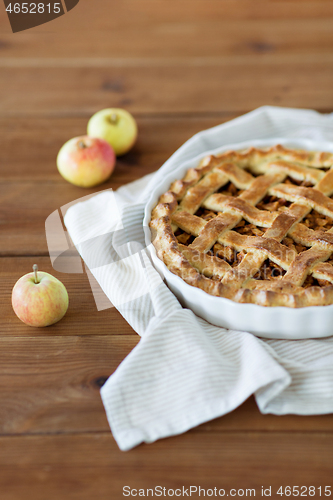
114 118
82 145
35 269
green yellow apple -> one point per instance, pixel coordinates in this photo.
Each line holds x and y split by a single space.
39 299
117 126
86 161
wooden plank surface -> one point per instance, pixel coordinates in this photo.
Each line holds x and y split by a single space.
50 384
30 145
232 84
180 66
29 173
156 28
78 466
50 377
31 187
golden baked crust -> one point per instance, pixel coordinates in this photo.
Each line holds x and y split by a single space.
253 226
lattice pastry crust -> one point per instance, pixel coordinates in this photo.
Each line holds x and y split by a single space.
253 226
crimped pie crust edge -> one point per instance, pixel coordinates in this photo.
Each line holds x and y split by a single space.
177 257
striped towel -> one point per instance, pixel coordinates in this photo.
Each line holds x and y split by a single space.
185 371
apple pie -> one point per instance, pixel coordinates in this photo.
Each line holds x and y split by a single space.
253 226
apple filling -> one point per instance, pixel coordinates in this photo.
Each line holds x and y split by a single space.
269 270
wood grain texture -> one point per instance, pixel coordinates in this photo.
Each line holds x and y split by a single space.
180 66
171 34
50 377
31 187
155 26
230 84
30 145
89 466
50 383
24 207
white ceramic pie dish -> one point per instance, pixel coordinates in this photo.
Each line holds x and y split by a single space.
268 322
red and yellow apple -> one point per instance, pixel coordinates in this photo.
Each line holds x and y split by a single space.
39 299
117 126
86 161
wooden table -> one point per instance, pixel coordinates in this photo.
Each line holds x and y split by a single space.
179 66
